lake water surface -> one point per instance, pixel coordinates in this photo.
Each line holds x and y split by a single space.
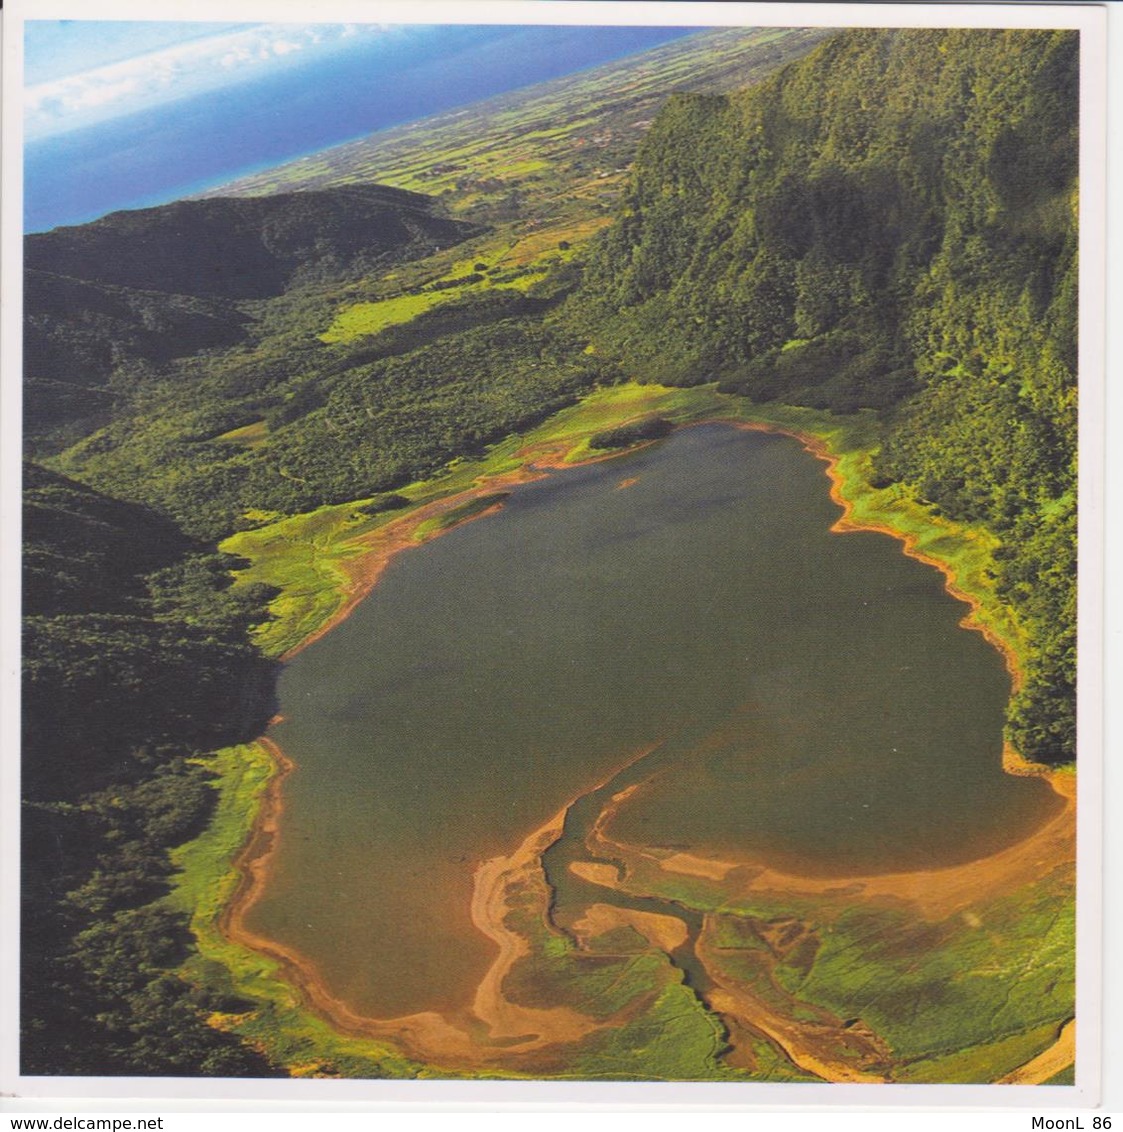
808 698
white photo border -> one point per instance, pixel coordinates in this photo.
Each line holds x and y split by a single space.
1098 411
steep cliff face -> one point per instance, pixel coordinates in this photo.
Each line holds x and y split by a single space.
889 223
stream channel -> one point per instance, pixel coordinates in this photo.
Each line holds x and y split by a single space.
806 698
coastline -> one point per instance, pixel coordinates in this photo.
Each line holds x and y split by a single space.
513 1029
430 1036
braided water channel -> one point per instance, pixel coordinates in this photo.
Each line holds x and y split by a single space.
572 893
805 697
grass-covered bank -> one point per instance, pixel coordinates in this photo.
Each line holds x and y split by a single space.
259 1005
856 268
316 560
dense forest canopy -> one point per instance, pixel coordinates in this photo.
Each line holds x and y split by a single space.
135 660
888 224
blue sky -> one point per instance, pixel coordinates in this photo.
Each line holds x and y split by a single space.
127 115
79 73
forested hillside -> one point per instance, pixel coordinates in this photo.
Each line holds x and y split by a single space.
107 303
137 655
78 333
135 659
187 356
248 247
139 379
888 224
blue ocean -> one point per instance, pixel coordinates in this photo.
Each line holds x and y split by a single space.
181 148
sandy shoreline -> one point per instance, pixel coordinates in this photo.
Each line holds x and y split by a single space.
1060 1055
812 1038
935 893
426 1035
382 545
379 547
512 1029
818 448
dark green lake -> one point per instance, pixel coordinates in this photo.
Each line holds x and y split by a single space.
809 698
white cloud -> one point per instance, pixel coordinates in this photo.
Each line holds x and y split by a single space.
105 92
100 87
175 72
235 58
